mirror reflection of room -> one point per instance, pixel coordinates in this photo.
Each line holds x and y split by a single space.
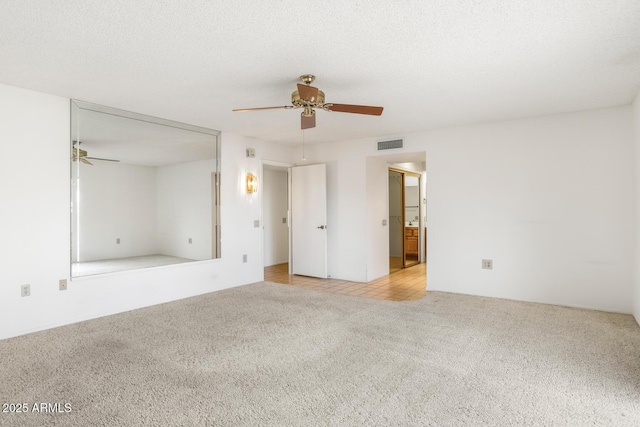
144 191
412 219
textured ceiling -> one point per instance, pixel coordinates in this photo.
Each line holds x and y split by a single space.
431 64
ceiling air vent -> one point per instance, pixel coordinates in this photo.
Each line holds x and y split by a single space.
388 145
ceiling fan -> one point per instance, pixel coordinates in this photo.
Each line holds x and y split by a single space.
81 155
308 98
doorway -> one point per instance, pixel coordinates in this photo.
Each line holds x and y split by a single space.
294 218
404 219
275 214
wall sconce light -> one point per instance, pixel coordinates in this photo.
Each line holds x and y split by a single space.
252 183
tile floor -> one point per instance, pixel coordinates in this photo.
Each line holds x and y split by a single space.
408 284
395 264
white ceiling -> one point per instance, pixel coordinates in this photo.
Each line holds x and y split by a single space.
431 64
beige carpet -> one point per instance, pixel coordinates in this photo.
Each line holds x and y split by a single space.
269 354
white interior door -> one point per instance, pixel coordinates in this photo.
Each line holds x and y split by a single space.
309 220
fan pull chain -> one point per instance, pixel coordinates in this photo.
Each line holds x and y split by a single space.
303 157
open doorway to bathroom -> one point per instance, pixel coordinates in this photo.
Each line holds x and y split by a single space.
405 212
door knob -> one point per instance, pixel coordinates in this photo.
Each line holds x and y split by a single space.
322 227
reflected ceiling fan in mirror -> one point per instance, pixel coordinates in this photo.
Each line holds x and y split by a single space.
81 155
309 98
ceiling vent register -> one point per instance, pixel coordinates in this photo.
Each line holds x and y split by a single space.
388 145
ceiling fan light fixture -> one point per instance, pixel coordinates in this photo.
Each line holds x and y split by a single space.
307 118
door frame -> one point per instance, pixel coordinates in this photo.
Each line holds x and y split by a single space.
402 173
288 167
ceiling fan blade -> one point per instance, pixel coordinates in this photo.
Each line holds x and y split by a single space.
308 122
243 110
98 158
85 161
307 93
358 109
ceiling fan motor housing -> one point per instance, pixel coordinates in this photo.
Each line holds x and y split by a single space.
301 103
77 152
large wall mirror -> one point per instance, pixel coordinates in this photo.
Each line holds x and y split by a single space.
144 191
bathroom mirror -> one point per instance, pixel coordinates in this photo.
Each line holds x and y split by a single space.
144 191
412 200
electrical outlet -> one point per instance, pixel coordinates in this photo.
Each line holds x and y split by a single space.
284 220
25 290
62 284
487 264
117 241
256 223
244 258
190 240
384 222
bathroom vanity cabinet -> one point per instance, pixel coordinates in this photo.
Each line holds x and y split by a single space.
411 242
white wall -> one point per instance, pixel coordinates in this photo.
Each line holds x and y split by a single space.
117 201
275 207
636 123
184 209
377 210
35 230
549 199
